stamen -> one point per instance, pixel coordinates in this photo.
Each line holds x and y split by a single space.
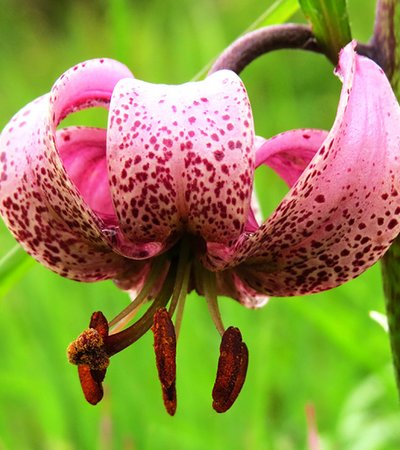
181 285
121 324
133 307
210 292
87 351
92 388
118 341
88 348
99 323
181 303
232 368
93 348
165 350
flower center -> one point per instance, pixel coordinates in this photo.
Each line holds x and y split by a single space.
168 281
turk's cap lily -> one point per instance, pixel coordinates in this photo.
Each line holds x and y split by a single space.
161 202
94 204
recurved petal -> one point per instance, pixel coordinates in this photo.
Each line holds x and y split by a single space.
83 152
289 153
87 84
30 142
181 157
25 206
254 217
343 212
231 285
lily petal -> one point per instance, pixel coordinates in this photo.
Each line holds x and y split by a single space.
342 214
87 84
40 204
289 153
231 285
83 152
181 157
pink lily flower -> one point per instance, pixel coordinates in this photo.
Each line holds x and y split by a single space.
160 202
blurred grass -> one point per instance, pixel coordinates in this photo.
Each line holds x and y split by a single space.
322 349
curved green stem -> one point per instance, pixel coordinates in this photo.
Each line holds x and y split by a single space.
385 46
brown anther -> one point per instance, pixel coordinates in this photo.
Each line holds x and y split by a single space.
89 354
99 323
232 368
88 349
165 350
91 386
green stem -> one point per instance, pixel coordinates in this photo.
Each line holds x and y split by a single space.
385 46
386 40
391 285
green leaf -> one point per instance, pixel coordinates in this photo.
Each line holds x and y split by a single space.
330 23
13 265
279 12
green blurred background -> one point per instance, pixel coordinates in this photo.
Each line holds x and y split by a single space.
321 350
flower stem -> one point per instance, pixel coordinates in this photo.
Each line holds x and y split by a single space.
385 50
385 41
254 44
391 284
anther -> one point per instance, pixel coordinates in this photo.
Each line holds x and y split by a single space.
91 385
88 349
165 350
89 354
232 368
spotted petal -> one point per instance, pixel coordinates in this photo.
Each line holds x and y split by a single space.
181 158
39 201
83 152
342 213
289 153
